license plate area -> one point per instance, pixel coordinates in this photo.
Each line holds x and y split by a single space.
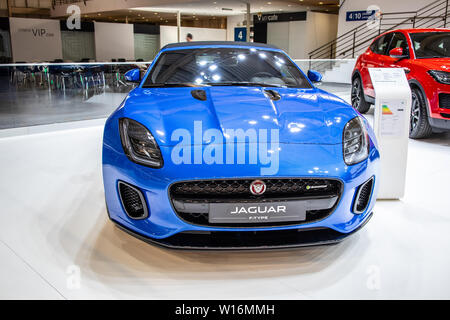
261 212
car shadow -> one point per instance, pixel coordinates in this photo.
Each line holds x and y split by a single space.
109 253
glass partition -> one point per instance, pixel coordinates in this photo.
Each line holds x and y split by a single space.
46 93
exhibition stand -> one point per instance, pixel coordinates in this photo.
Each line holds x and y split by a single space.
391 126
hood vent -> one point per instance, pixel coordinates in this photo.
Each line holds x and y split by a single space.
199 94
272 94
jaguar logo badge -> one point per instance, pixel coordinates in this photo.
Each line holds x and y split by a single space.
257 187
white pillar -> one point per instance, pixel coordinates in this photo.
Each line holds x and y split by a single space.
248 22
179 26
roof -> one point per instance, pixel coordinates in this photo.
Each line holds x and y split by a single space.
218 43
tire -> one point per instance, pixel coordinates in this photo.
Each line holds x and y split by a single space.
357 96
419 127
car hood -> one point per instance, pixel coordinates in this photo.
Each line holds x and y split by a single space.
442 64
310 116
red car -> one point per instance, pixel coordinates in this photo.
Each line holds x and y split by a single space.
425 56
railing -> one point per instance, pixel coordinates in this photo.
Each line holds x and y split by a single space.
353 42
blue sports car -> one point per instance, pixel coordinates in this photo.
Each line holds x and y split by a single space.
226 145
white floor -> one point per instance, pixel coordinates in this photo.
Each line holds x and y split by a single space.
57 243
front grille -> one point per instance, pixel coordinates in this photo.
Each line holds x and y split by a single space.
198 194
132 201
444 100
363 196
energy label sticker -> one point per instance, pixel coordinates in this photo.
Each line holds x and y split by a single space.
393 117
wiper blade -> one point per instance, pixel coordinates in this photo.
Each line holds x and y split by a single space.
172 85
244 83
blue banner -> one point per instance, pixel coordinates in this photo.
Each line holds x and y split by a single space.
240 34
359 15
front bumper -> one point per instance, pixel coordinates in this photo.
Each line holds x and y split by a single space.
261 240
438 108
443 124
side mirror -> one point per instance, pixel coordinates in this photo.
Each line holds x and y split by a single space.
314 76
133 75
397 53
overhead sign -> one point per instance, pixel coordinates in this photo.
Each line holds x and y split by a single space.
359 15
240 34
35 40
279 17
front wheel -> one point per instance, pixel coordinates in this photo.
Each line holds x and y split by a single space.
419 127
358 101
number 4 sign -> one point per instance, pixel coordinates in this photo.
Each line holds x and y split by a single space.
240 34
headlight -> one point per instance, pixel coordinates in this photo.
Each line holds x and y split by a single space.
139 144
355 142
440 76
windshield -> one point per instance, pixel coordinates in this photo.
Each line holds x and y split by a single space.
431 44
225 66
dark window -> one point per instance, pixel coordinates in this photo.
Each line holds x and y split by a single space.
431 44
399 41
225 66
380 45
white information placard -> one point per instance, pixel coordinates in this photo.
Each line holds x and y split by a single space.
35 40
391 126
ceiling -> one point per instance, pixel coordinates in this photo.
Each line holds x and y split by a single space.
235 7
145 16
213 13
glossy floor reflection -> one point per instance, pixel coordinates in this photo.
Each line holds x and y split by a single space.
21 107
56 241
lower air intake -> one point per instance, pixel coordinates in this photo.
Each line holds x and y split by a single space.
133 201
444 100
363 196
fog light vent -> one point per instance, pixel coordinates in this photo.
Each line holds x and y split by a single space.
363 196
132 201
